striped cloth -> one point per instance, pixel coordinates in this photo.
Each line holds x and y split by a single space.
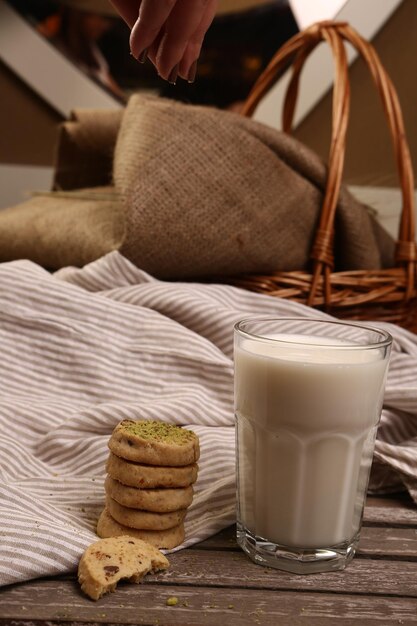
85 348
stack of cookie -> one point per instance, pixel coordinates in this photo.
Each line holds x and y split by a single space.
151 469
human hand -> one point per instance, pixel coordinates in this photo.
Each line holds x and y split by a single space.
169 32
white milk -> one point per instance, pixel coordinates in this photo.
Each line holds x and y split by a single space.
307 419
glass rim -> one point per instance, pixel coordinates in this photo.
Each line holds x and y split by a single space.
386 341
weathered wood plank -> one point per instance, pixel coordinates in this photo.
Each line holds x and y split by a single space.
219 568
215 583
210 568
397 510
400 543
55 602
375 541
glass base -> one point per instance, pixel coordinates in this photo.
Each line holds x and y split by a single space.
295 560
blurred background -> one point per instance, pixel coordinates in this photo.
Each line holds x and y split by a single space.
57 56
244 36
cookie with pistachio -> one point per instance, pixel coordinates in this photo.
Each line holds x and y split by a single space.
167 539
156 500
154 443
150 476
144 520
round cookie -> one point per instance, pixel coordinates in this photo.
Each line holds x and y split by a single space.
143 520
149 476
162 539
154 443
107 561
155 500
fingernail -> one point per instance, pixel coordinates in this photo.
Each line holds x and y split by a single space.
143 56
172 78
192 73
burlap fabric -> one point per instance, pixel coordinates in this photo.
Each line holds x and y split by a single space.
211 192
196 192
64 228
84 156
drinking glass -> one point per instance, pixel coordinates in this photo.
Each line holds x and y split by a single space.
308 399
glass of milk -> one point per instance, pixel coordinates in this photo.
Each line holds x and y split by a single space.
308 399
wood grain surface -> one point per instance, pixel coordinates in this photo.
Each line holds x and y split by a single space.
215 584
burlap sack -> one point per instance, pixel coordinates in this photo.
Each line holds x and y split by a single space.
80 225
205 193
209 192
84 156
64 228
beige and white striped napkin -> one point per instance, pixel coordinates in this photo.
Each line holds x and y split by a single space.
84 348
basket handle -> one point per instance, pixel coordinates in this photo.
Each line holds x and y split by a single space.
297 49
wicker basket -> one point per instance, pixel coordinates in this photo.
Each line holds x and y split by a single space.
385 295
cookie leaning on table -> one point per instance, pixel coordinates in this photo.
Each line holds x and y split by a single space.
162 539
144 520
149 476
107 561
154 443
156 500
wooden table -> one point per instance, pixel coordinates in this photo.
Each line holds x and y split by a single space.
214 583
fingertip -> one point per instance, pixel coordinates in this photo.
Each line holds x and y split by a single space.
173 75
188 71
134 42
192 72
143 56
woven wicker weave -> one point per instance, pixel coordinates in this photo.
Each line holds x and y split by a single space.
386 295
